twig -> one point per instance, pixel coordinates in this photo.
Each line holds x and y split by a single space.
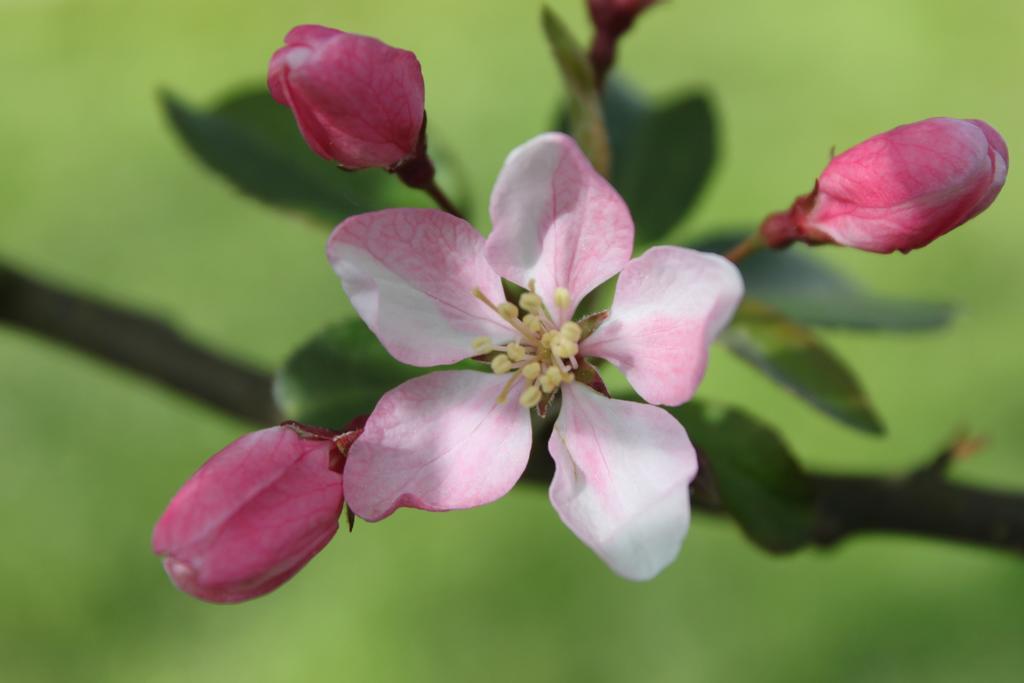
136 342
930 506
441 199
923 503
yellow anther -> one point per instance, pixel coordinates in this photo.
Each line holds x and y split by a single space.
548 338
572 331
531 371
554 374
530 397
508 310
507 388
568 377
515 352
529 301
501 364
564 348
533 323
483 345
547 385
562 298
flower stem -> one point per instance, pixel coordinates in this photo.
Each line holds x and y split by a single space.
745 248
602 54
438 195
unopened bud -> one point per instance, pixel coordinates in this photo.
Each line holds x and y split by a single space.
356 100
899 190
252 516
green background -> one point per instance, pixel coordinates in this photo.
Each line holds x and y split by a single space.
97 193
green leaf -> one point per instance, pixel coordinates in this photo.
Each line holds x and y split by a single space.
253 142
337 375
340 374
586 119
665 161
625 110
795 358
806 289
662 156
754 474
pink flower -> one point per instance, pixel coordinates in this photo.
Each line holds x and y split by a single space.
429 286
254 514
356 100
899 190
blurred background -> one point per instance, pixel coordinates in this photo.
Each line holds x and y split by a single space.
97 193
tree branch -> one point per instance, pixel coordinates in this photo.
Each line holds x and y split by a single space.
136 342
931 506
923 503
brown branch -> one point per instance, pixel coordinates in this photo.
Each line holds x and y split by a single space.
923 503
931 506
138 343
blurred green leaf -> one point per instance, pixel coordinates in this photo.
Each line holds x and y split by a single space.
754 474
337 375
586 119
791 355
340 374
664 163
806 289
662 156
253 142
625 111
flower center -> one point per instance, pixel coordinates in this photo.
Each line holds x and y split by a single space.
541 355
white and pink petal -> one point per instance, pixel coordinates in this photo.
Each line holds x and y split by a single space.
410 274
438 442
669 306
557 221
622 476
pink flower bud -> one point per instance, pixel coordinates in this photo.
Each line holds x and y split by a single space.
615 16
356 100
254 514
899 190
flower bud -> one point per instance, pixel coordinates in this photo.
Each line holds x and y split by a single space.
615 16
254 514
356 100
899 190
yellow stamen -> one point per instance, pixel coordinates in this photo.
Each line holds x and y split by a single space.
501 364
533 323
547 385
515 352
529 301
563 348
483 345
572 331
483 297
503 396
562 298
530 397
508 311
531 371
